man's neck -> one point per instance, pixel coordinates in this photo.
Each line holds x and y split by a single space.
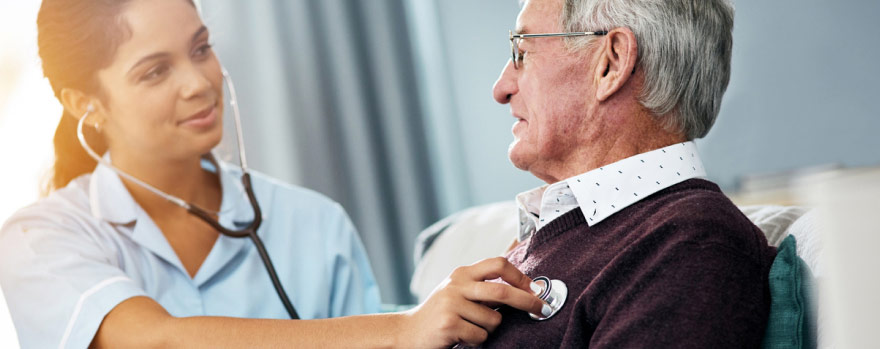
644 134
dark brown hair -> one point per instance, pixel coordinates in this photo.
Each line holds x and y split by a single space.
76 38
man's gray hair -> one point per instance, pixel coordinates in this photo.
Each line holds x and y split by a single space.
684 49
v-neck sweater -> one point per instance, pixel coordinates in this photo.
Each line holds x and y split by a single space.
681 268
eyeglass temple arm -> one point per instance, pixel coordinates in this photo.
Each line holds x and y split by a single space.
601 32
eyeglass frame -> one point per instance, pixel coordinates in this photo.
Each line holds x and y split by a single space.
514 38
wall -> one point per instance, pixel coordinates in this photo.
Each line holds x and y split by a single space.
803 91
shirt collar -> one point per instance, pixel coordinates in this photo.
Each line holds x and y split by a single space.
602 192
542 205
108 197
110 200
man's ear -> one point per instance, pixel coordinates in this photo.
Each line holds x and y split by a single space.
77 103
617 61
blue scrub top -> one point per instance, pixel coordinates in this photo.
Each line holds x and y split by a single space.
70 258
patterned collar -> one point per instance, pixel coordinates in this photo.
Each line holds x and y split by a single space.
605 191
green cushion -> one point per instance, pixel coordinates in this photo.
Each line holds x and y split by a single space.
792 314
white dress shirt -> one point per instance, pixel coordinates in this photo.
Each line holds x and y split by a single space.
605 191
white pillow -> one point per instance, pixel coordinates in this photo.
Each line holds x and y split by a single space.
773 220
462 239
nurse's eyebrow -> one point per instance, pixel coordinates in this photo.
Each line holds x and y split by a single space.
147 59
198 33
156 55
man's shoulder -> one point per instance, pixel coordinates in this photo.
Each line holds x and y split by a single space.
697 212
693 201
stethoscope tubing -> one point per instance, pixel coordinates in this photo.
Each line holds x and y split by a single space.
251 231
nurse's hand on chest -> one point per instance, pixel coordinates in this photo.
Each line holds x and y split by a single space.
460 309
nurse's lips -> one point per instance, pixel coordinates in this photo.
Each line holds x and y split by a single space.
203 118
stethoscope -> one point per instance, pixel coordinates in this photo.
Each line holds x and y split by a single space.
249 231
553 293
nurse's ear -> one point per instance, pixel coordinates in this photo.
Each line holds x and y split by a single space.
77 103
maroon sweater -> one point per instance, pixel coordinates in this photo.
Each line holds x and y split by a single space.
680 268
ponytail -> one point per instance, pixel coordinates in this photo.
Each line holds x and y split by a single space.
71 160
76 38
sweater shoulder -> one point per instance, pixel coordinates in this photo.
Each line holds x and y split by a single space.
697 212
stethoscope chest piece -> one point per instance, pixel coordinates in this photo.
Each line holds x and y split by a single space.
554 294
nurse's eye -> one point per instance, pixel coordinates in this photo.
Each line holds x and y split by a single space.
202 51
155 73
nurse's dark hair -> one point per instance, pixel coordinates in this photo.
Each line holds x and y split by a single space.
77 38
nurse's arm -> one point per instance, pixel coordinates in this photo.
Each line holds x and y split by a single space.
457 312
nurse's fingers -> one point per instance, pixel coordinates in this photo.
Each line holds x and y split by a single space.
493 294
521 293
493 268
479 315
447 318
471 335
457 311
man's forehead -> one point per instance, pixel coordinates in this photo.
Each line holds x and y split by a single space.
538 16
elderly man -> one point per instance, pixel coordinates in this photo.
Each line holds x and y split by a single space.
606 110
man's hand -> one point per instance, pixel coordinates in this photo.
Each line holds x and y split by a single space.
460 310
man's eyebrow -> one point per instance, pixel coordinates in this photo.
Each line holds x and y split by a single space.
521 30
156 55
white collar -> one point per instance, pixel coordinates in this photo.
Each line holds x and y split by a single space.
110 200
605 191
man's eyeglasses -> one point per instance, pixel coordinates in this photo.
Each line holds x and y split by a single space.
515 38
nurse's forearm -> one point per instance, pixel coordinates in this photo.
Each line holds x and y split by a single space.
458 311
141 322
364 331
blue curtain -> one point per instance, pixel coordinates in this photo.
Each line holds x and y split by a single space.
329 101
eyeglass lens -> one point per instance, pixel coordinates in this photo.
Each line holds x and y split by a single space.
514 47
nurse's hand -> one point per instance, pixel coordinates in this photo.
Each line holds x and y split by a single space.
460 310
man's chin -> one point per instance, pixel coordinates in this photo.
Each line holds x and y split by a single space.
518 157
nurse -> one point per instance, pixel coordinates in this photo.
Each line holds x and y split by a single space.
104 262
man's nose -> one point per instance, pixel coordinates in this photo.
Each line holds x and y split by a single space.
506 86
